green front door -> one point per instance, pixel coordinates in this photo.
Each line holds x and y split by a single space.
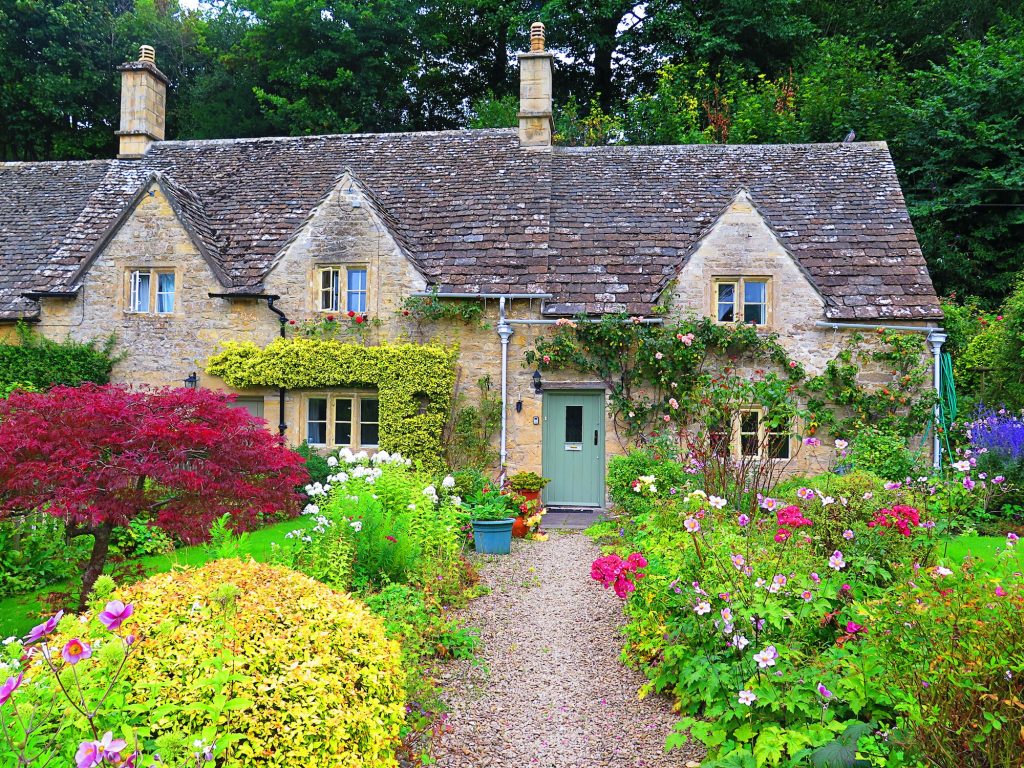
573 448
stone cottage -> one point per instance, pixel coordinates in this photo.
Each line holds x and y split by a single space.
176 246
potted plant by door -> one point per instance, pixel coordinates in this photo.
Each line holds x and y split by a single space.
527 484
492 516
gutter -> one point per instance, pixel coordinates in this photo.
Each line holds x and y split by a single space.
936 337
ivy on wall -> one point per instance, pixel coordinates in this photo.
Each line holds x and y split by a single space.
38 363
414 382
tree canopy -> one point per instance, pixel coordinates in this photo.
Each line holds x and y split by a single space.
937 79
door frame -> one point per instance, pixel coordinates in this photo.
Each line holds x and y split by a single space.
583 389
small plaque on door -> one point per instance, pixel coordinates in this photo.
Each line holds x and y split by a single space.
574 446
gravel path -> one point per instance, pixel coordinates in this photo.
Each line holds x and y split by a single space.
550 691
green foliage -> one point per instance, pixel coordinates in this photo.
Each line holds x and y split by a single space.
140 538
623 472
435 307
527 481
469 433
414 383
965 168
36 363
35 553
833 627
489 503
883 453
903 405
316 463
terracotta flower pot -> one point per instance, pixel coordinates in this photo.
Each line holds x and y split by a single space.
530 495
520 528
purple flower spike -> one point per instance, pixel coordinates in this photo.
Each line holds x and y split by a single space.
40 631
7 689
115 614
824 692
75 651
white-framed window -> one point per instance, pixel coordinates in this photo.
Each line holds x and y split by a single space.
750 435
343 289
349 419
741 300
151 291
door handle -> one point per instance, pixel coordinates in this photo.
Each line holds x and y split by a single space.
595 437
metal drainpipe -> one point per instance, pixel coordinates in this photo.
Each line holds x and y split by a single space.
504 333
935 340
281 425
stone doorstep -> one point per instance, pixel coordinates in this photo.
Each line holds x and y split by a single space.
572 518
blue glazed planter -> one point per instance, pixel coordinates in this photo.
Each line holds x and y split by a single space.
493 537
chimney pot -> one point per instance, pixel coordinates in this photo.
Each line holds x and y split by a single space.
147 53
536 37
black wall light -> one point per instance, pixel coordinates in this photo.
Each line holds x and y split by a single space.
192 381
519 406
537 383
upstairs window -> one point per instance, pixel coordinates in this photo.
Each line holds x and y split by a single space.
741 300
151 291
343 289
355 300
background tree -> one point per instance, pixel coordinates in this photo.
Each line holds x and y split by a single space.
98 457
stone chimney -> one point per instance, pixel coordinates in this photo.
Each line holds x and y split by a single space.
535 123
143 102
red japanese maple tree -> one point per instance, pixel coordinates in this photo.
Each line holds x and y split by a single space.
100 456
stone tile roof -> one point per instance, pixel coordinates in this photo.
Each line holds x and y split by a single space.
601 228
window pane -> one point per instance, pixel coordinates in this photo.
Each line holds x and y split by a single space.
726 302
369 414
316 421
343 421
574 423
754 313
165 292
329 289
356 297
140 298
755 292
778 446
749 421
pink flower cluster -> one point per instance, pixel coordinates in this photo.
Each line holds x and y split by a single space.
613 571
790 517
900 517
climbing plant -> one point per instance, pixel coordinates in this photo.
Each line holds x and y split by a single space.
663 376
652 370
434 307
414 382
469 434
34 362
900 404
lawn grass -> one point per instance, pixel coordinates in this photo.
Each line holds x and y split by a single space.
982 547
19 614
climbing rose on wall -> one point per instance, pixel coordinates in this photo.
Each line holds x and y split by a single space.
100 456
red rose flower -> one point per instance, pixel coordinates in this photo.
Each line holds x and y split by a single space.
360 319
330 318
351 313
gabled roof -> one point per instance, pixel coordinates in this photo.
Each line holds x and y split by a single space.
600 228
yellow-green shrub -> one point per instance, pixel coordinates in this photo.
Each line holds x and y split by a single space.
325 684
414 382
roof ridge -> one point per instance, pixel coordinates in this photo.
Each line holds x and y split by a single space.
313 136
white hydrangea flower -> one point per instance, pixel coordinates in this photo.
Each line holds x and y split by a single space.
448 482
311 509
457 501
332 461
357 525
